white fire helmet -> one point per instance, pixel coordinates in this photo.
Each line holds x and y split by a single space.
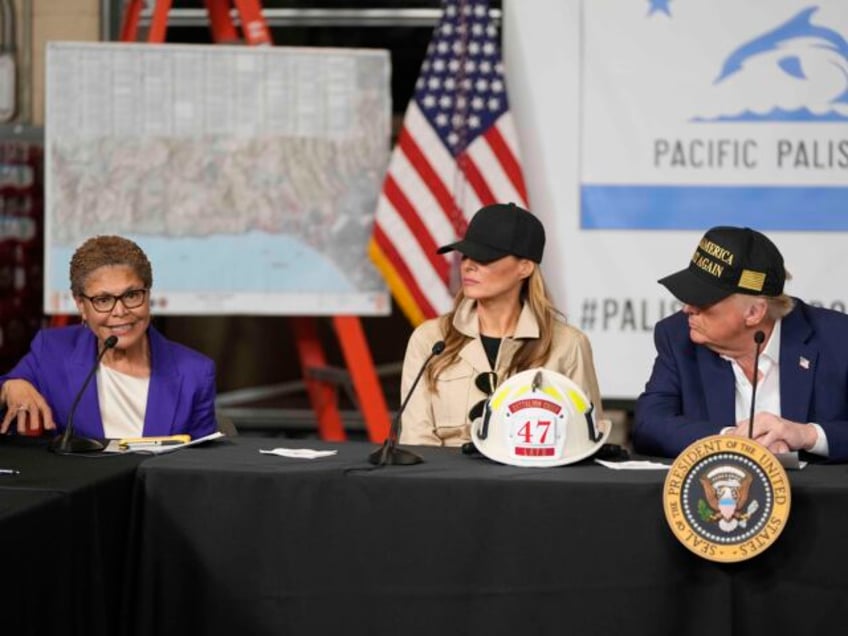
539 418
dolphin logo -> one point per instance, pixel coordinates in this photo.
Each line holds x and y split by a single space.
787 37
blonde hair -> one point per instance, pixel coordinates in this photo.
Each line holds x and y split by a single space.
533 352
779 306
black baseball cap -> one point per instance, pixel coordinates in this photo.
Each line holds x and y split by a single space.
729 260
499 230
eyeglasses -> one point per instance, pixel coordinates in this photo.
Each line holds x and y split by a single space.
487 382
105 303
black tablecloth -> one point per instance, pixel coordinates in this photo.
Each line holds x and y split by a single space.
231 541
64 527
29 571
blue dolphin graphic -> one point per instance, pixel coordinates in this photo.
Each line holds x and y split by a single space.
797 27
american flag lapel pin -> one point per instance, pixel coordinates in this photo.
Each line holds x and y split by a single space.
804 363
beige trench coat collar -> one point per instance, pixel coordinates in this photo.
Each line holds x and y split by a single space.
465 321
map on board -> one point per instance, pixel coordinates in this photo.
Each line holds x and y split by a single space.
249 175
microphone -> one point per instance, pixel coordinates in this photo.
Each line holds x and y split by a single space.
66 442
389 453
759 336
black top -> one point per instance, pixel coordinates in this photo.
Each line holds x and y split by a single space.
491 345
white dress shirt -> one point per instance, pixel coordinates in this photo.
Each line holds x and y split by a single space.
768 388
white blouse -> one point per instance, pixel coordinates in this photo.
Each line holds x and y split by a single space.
123 401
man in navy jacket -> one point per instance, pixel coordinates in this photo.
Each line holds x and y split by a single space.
701 383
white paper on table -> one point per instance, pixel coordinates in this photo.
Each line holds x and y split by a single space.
790 460
299 453
633 465
157 449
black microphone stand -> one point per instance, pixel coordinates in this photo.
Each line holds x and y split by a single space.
759 337
66 443
389 453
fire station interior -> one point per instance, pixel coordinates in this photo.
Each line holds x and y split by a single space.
260 381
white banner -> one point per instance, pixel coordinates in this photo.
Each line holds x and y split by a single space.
646 122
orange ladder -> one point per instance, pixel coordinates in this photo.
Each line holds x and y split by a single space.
253 26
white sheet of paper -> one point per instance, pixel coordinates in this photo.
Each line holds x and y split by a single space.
299 453
112 446
633 465
790 460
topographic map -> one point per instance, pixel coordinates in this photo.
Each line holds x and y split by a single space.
250 176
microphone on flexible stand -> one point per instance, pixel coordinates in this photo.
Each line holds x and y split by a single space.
389 453
759 337
66 442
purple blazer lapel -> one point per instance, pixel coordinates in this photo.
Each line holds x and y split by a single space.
165 386
87 419
719 387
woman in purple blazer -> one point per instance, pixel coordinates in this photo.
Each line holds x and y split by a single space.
145 385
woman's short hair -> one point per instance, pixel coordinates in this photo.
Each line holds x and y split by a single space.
105 251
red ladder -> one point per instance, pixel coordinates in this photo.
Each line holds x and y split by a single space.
253 26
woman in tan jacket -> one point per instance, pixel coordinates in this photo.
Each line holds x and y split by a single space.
502 322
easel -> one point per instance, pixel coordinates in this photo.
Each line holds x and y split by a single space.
322 394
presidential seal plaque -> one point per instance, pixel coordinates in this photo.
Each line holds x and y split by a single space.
726 498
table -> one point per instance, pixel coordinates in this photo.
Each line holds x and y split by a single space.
231 541
28 570
64 529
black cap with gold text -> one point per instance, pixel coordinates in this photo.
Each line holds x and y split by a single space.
729 260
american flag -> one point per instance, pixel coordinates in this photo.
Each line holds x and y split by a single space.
457 151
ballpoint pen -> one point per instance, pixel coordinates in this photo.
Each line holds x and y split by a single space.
150 444
137 443
9 471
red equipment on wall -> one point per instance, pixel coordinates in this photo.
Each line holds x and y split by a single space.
21 247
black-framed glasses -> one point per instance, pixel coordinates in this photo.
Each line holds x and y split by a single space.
487 382
104 303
